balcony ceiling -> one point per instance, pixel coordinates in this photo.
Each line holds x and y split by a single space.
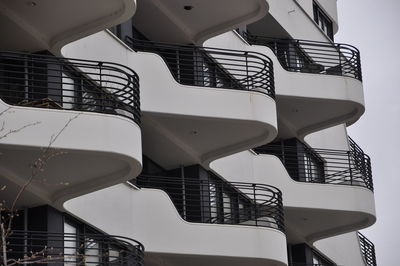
194 21
50 24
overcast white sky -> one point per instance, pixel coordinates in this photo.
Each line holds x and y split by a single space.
373 26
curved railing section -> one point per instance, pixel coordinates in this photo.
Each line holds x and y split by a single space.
213 67
326 166
71 84
361 160
311 56
26 247
218 202
311 264
367 250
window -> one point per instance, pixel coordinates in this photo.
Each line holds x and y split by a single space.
92 251
114 256
319 260
313 166
213 202
70 244
68 93
323 21
227 208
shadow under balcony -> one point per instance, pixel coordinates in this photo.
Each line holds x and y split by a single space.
48 25
196 21
35 247
66 112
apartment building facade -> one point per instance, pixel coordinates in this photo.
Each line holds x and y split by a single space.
147 132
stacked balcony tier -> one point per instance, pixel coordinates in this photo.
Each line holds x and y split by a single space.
44 81
30 247
213 67
80 117
311 56
305 164
217 202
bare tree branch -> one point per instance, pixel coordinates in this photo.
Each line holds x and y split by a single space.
37 167
40 163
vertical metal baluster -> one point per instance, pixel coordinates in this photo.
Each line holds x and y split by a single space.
255 204
247 70
349 161
101 103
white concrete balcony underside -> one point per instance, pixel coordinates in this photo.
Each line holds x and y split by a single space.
305 102
294 16
172 22
194 124
312 211
149 215
343 249
49 24
92 152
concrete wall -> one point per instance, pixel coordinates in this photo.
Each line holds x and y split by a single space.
343 249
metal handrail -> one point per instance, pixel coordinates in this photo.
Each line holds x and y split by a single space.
308 264
361 160
45 81
367 250
312 56
326 166
73 249
218 202
213 67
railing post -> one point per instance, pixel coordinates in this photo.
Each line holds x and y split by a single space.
340 58
255 204
359 74
183 193
247 69
238 208
350 170
102 103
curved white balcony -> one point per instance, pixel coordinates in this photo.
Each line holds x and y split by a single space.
48 25
70 125
312 210
307 101
195 123
195 21
150 215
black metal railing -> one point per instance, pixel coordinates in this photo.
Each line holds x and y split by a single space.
213 67
362 161
309 264
367 250
311 56
219 202
327 166
71 84
28 247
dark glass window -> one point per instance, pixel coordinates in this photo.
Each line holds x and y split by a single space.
323 21
302 254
